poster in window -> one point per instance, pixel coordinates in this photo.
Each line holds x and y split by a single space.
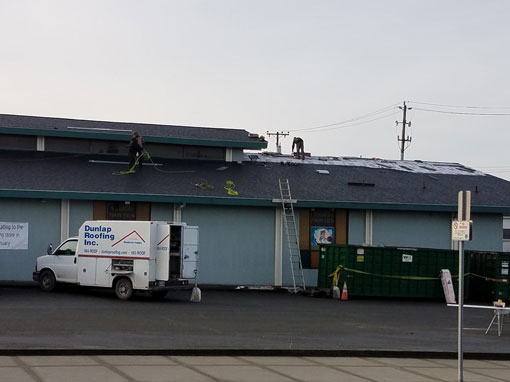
13 235
323 235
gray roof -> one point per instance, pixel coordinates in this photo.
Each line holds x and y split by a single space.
46 126
50 175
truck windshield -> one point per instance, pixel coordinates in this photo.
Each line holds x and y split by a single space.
68 248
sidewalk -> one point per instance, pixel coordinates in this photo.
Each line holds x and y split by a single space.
244 369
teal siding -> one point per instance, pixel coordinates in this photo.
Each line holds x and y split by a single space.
236 244
487 233
356 227
433 230
237 155
43 217
162 211
80 211
413 229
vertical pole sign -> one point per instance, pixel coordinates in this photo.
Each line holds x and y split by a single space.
461 232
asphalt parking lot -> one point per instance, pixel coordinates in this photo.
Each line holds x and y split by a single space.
81 319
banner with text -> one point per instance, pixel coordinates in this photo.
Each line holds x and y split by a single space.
13 235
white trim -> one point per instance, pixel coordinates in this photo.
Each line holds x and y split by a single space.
228 154
278 249
65 208
454 244
40 143
177 215
369 221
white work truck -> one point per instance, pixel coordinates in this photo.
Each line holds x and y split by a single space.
125 255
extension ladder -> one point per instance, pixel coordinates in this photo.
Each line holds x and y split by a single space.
289 221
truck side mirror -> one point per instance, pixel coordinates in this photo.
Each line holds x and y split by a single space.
50 249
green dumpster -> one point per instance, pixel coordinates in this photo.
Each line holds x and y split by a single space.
490 279
388 271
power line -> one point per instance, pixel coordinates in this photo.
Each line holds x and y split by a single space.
352 124
368 115
459 106
460 113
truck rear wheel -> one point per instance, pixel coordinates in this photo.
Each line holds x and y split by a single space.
47 281
124 288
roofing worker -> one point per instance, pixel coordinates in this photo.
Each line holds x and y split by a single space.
300 147
135 149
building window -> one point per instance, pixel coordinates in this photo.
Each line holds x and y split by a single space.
506 233
98 146
18 142
111 210
120 211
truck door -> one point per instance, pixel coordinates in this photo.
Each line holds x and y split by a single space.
190 252
162 252
65 261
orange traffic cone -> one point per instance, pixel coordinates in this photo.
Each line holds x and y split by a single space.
345 296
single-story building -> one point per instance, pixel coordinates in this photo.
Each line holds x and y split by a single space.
57 173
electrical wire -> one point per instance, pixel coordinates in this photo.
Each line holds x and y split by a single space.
460 113
352 124
367 115
459 106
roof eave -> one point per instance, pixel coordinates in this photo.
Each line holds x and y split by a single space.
260 202
254 145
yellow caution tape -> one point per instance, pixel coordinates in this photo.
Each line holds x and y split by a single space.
491 279
341 267
336 275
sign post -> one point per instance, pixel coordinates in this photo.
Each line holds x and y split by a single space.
461 231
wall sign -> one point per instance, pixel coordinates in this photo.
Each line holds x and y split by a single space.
13 235
323 235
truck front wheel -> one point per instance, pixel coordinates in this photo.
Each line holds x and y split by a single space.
124 288
47 281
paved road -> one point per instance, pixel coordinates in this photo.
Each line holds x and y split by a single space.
97 321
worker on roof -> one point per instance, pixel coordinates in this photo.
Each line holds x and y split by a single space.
135 150
300 147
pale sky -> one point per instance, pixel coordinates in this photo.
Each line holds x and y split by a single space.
273 65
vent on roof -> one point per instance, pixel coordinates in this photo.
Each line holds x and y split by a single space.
361 184
428 168
325 172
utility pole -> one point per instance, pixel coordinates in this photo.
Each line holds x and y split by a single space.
278 134
404 123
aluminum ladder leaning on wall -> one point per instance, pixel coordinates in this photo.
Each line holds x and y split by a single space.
289 221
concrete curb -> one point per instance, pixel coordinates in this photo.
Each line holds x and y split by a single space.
254 353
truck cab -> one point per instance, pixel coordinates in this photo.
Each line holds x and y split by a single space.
58 265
